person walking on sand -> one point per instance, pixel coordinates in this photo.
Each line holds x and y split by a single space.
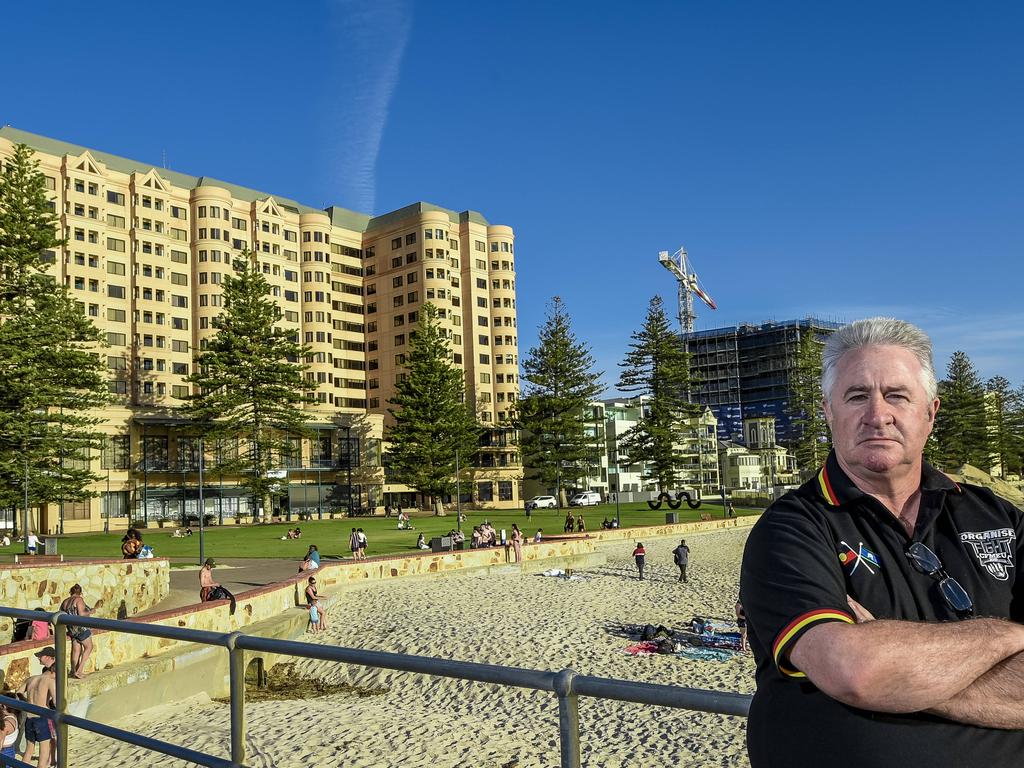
639 554
681 556
41 690
81 637
517 542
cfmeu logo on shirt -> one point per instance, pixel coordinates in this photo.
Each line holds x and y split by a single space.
994 550
854 558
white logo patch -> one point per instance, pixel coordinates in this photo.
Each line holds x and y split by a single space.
994 550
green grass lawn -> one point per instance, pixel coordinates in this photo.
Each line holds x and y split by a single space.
331 536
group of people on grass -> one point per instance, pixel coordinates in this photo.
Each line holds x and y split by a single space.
484 535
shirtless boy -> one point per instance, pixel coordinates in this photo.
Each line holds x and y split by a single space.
41 690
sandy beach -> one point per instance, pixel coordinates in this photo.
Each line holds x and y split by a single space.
529 621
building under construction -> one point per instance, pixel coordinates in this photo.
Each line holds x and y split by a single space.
743 371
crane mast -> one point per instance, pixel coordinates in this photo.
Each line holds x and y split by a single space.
680 267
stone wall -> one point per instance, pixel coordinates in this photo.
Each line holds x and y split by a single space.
673 529
113 649
117 589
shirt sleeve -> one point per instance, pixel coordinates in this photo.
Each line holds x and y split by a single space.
1017 603
791 580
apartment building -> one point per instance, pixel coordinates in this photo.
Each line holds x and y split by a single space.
146 254
608 471
743 371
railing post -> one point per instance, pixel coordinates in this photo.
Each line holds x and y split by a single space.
60 645
568 719
236 661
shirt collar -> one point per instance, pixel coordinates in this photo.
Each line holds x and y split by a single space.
836 488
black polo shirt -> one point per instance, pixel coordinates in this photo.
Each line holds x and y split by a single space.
827 540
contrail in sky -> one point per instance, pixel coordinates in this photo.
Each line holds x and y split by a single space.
370 37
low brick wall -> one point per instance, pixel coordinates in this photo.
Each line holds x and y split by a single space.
672 529
112 649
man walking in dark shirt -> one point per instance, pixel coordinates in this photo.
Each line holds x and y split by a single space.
681 555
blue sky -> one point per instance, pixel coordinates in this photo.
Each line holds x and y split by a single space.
838 160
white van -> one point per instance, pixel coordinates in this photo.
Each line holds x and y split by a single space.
585 499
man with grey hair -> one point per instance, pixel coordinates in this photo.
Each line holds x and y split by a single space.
882 599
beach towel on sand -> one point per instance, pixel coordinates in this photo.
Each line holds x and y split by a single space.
706 654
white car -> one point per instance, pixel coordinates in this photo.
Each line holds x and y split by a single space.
585 499
542 502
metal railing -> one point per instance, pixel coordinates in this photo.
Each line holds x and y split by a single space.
567 685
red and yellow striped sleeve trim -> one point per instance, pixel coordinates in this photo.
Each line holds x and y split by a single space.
826 488
798 625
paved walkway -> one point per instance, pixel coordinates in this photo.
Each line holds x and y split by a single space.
237 575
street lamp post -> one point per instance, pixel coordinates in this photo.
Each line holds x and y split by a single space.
348 465
202 507
106 503
618 489
319 465
458 493
24 527
721 483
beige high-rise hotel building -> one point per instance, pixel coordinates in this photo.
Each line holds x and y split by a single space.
146 254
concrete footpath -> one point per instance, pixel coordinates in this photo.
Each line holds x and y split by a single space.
236 574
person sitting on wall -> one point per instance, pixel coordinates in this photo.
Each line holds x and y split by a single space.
311 561
131 544
206 582
477 540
